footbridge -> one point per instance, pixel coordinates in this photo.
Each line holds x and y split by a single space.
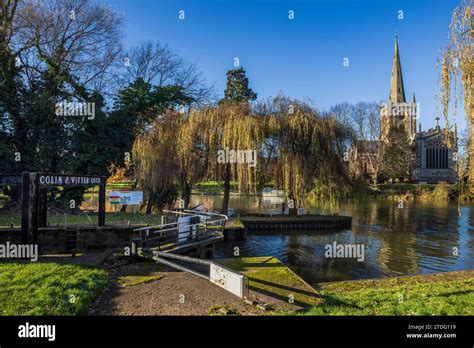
188 232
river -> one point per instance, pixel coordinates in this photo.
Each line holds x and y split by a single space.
418 238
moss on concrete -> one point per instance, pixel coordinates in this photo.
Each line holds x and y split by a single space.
234 223
222 310
270 277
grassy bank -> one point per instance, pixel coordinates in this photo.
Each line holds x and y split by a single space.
212 187
48 288
438 294
267 275
407 191
119 218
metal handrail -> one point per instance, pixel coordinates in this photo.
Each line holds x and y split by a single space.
177 229
176 225
86 215
185 212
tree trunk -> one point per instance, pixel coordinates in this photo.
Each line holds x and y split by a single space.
471 162
225 201
151 202
186 194
124 207
375 178
293 211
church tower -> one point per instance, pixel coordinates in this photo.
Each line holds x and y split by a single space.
397 90
397 112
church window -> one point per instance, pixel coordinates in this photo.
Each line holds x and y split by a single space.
436 155
428 162
436 158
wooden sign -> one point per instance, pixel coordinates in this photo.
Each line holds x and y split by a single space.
10 180
34 199
68 180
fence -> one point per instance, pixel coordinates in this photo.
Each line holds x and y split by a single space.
186 227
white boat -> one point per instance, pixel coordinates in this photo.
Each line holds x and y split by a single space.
270 192
271 196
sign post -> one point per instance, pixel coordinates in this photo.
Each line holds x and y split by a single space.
25 203
102 202
34 210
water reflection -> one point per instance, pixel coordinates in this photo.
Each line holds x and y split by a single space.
421 237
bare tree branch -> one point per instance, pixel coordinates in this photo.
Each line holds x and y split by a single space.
156 64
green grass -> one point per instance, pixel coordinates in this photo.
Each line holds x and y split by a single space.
110 219
234 223
441 294
436 192
440 192
6 220
48 288
114 219
222 310
212 187
269 276
135 280
123 184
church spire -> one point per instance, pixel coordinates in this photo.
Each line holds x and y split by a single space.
397 91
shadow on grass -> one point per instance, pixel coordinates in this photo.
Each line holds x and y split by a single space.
281 297
456 293
284 287
333 303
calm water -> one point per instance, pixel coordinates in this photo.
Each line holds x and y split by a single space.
419 238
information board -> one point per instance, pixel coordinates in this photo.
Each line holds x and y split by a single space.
126 197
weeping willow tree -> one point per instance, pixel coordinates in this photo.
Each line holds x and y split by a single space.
156 164
227 129
307 151
191 157
310 150
457 67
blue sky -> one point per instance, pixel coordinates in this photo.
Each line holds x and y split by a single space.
303 57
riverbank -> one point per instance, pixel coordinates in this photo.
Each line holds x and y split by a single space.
408 191
450 293
121 286
148 288
398 191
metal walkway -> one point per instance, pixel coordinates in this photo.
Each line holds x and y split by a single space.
190 231
186 229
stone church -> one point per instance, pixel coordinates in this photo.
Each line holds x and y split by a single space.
434 151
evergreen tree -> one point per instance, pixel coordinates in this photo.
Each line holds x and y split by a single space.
396 157
237 89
